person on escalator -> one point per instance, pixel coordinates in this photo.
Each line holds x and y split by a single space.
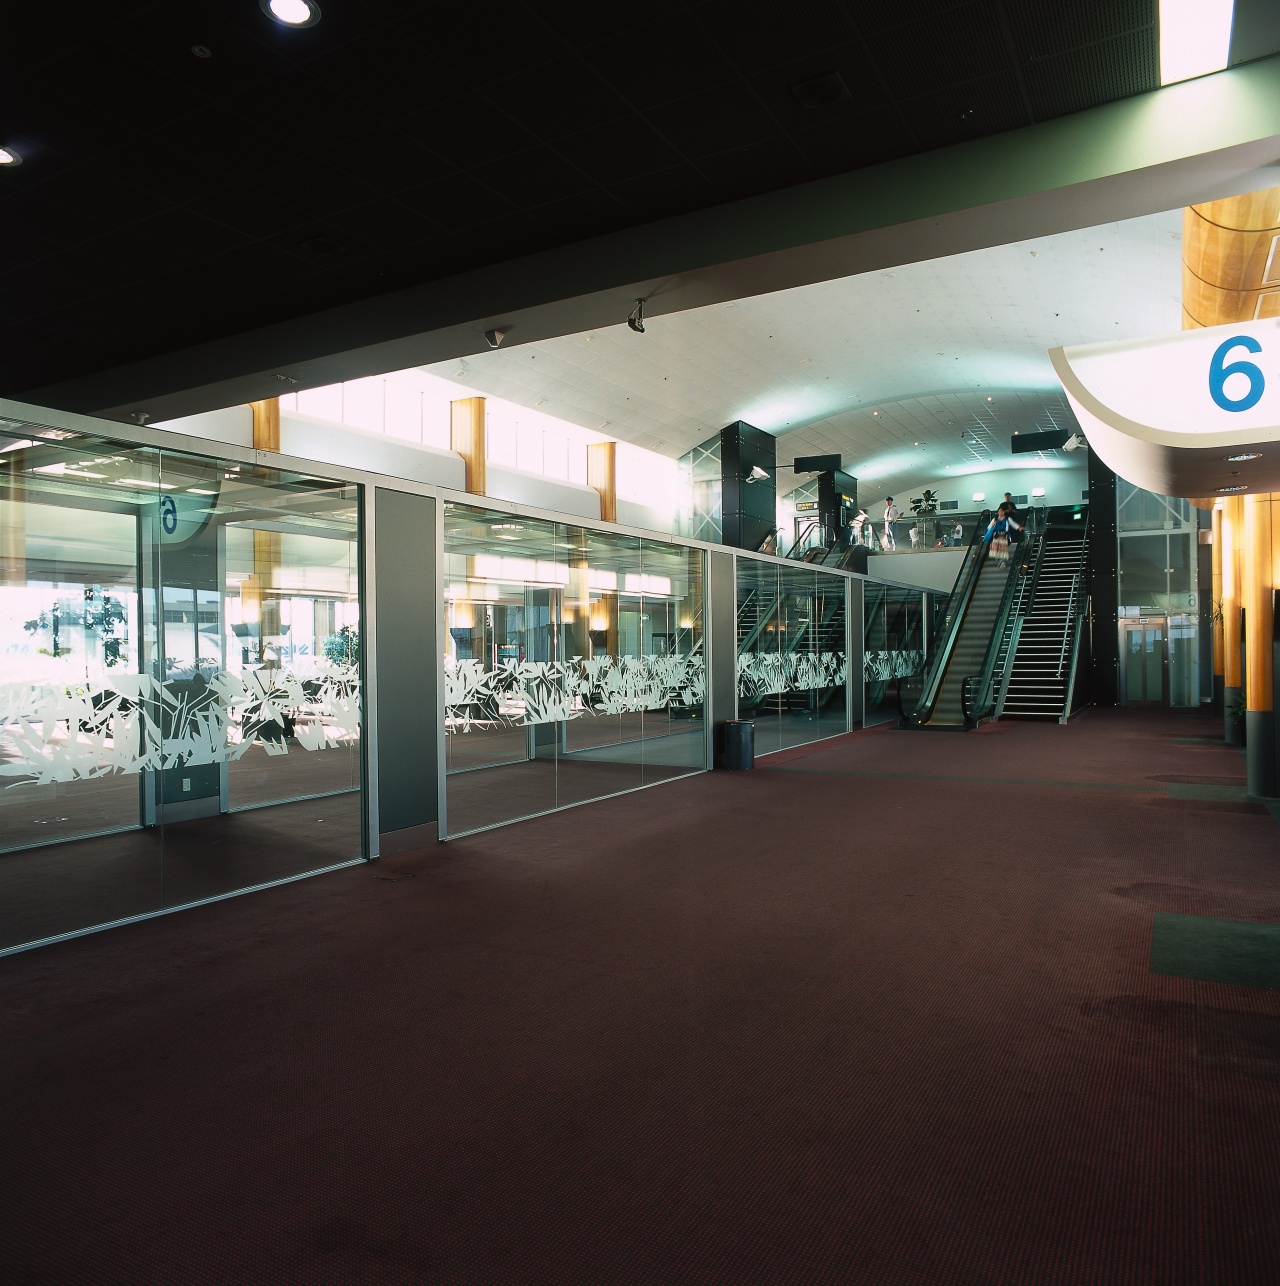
999 533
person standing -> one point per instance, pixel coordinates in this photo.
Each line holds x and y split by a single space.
891 515
957 534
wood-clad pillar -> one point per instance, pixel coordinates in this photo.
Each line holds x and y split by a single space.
13 519
1232 677
266 424
1215 601
1258 583
467 438
602 477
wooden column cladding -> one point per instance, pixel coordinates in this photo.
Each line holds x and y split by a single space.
1232 523
1216 598
1231 260
602 476
266 424
1258 582
466 436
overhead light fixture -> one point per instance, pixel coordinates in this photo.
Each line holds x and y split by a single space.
1195 38
1037 491
979 496
10 156
292 13
495 336
1225 490
636 318
1244 455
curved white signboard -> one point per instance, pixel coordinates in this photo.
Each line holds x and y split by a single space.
1167 413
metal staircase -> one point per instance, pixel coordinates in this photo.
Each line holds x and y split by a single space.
1039 684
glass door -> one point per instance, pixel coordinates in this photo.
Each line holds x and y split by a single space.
1144 661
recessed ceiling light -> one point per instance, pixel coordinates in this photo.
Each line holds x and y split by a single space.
292 13
1244 455
9 157
1195 38
1240 487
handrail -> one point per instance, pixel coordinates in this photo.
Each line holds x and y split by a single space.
1077 633
949 629
1019 592
799 544
1076 582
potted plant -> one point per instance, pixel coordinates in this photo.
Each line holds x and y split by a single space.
925 508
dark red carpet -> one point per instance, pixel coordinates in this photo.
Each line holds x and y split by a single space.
880 1013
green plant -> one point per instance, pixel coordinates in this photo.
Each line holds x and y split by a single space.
343 648
924 505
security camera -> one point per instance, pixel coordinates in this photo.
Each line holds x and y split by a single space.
496 336
1074 443
636 319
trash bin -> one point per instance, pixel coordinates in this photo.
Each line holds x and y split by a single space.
739 743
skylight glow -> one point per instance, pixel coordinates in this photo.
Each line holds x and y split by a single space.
1195 38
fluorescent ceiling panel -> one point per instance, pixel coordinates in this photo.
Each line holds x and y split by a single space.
1195 38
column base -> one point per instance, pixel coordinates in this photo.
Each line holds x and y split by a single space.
1219 687
1260 753
1232 726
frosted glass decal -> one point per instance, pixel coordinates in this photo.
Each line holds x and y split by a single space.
522 693
883 665
62 732
762 674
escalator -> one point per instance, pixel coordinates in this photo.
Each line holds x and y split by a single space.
976 635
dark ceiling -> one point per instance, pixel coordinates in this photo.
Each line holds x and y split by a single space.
167 198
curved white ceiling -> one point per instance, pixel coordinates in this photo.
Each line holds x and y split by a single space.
924 345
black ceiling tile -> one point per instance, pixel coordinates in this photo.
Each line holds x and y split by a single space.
1089 77
456 202
468 131
382 223
585 215
390 76
77 205
887 15
508 236
388 160
761 167
661 61
166 166
582 24
619 150
316 186
493 41
963 112
765 35
957 46
388 269
713 121
253 209
848 61
665 193
303 112
559 98
532 177
1043 31
852 143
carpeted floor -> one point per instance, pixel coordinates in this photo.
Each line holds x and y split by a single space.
882 1012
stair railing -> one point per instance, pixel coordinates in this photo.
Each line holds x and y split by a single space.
949 628
1076 636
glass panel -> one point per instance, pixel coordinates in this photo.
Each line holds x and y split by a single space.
893 643
260 637
148 713
832 696
760 683
568 649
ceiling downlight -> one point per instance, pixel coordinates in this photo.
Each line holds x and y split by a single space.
291 13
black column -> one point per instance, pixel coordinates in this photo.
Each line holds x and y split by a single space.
748 509
1104 669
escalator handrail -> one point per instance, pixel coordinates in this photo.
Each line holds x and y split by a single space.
1077 584
1020 574
953 619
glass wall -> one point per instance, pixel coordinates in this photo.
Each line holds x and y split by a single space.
792 652
573 665
180 700
894 624
1159 593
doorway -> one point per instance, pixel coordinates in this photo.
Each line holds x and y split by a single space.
1144 661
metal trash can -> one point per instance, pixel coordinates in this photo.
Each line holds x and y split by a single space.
739 743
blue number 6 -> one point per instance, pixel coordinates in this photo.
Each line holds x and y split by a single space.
1220 373
169 515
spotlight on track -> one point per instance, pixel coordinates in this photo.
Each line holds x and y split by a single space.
495 336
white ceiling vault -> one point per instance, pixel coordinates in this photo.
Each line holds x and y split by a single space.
910 373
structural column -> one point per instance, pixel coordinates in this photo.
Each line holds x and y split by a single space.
1232 678
602 477
467 437
259 597
1258 583
13 519
1215 602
